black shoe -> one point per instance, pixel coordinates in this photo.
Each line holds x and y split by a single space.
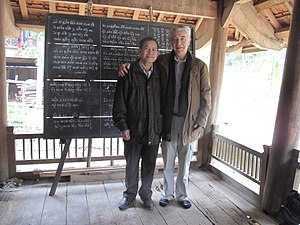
124 203
186 204
164 202
148 204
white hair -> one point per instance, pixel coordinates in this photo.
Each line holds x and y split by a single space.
181 27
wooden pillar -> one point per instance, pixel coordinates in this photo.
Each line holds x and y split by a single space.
281 167
3 106
11 152
216 69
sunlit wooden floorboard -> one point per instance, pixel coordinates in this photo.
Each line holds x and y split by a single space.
94 203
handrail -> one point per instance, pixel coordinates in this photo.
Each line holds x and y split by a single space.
34 149
246 161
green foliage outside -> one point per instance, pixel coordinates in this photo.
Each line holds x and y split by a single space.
249 96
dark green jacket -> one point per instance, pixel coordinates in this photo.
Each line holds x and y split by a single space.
137 105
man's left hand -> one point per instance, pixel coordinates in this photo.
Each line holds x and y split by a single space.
197 129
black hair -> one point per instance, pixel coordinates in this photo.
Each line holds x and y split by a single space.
142 42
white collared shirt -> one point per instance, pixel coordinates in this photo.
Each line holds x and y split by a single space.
146 72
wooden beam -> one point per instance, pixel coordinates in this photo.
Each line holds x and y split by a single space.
24 10
283 34
199 21
268 13
203 8
151 13
289 6
267 4
10 29
204 33
177 19
81 10
160 17
110 12
227 12
31 27
52 7
239 46
253 26
136 14
237 34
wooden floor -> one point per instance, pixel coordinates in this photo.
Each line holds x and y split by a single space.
214 202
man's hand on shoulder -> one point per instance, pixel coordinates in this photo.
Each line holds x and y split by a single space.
123 69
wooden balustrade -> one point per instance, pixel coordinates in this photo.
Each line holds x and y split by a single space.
34 149
29 149
246 161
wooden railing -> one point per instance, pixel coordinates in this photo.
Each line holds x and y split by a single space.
34 149
246 161
30 149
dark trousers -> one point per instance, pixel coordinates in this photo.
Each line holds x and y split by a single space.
133 153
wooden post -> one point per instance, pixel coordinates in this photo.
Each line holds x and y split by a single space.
151 13
3 106
281 167
89 154
90 7
263 169
60 166
11 152
216 68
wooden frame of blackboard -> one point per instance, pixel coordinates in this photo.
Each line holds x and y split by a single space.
82 56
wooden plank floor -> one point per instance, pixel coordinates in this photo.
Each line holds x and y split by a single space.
214 203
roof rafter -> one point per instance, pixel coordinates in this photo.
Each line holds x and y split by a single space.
136 14
199 21
202 38
266 4
244 17
203 8
110 12
82 10
160 17
177 19
52 7
24 10
268 13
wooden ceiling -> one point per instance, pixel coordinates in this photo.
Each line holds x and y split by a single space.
252 25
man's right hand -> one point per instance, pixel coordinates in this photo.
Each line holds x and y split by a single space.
123 69
125 135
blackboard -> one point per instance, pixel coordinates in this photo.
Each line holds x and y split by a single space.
82 57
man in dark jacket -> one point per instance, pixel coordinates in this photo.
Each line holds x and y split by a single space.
136 112
186 97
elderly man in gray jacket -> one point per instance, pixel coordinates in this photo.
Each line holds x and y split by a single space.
187 100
